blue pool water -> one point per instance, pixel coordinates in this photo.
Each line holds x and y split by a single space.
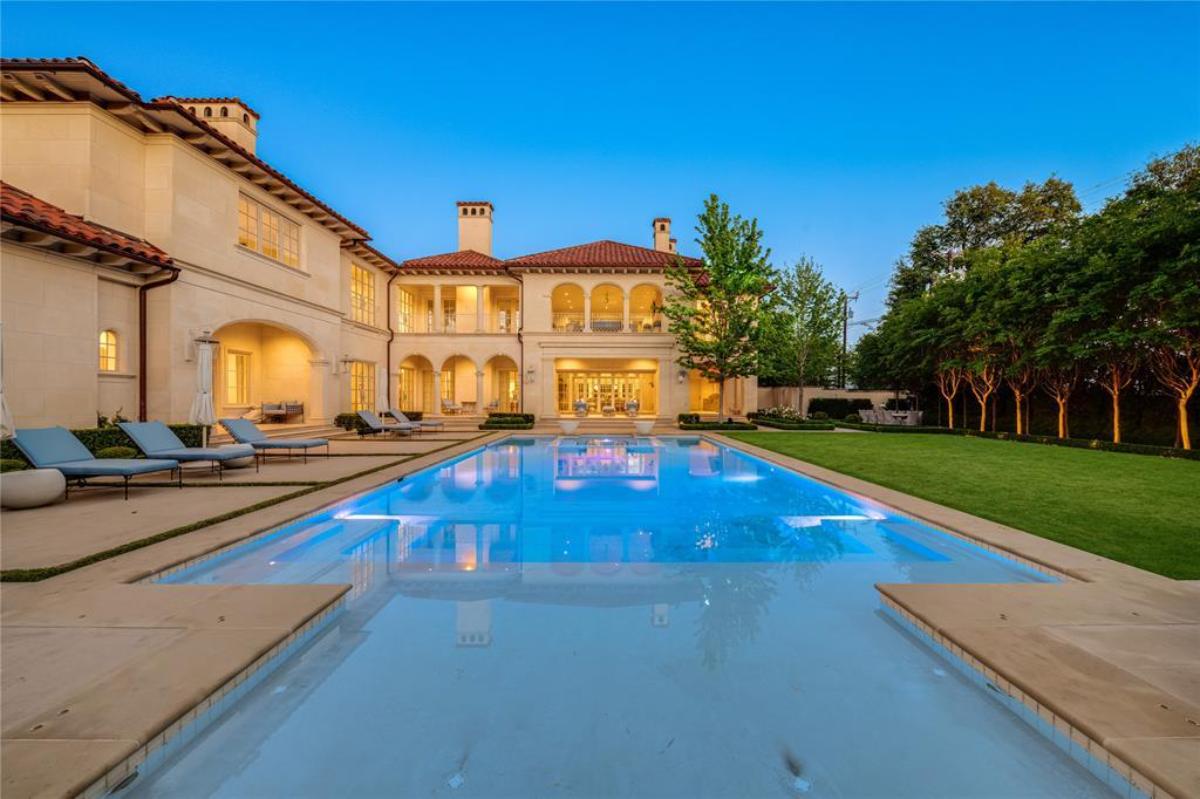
650 617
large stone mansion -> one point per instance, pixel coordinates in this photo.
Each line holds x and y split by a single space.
133 228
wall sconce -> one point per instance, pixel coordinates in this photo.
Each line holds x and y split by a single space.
530 373
683 376
344 363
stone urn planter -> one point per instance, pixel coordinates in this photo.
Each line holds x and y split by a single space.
643 426
568 426
239 463
31 488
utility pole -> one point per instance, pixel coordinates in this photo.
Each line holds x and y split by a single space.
846 300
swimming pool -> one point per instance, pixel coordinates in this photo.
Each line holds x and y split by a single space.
596 617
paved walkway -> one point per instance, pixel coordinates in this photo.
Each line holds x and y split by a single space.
1111 657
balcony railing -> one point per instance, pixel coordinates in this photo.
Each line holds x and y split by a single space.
646 325
567 322
607 323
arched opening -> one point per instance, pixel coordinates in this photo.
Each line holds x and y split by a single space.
415 385
645 309
224 111
566 308
208 112
501 385
264 371
704 395
458 386
608 308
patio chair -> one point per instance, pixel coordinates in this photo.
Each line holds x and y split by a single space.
421 425
450 408
375 425
273 411
247 432
156 440
58 448
293 408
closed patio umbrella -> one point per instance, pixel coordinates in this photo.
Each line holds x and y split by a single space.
7 428
202 412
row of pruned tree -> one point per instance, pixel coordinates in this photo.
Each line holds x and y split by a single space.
1020 291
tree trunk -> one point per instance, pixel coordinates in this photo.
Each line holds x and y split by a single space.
950 412
1185 438
1116 412
1020 425
982 412
721 400
800 399
1062 416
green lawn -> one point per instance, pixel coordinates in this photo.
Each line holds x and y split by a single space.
1138 509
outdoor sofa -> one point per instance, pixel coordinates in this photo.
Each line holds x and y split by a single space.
157 440
58 448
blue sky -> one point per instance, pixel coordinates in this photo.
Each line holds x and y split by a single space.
841 127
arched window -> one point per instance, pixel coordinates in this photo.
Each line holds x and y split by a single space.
192 110
207 112
224 111
108 351
246 118
465 212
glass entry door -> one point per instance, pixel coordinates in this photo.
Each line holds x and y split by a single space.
606 392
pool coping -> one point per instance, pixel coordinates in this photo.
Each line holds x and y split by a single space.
1129 772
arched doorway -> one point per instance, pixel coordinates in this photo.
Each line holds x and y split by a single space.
502 385
414 391
458 386
263 369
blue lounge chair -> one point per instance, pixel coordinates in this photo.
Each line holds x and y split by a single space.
58 448
421 425
157 440
247 432
375 425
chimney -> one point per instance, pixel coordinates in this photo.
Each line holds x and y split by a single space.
229 115
662 235
475 227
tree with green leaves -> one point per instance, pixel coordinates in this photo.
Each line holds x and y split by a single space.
715 310
802 327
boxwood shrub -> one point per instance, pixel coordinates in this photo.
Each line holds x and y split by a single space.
717 426
117 453
508 421
787 424
12 465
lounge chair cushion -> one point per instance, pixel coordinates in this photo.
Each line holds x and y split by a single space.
152 437
243 431
232 452
402 419
114 467
47 446
378 425
289 443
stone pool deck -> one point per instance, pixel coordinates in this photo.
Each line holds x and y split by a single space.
1110 657
97 668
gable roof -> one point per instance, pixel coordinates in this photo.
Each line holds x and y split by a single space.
22 209
601 254
463 260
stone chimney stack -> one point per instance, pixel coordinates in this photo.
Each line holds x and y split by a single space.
475 227
662 235
229 115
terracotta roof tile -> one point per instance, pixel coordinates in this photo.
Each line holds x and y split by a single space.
21 208
600 254
463 259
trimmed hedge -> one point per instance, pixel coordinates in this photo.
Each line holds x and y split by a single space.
353 422
1078 443
117 453
837 407
100 438
12 465
717 426
788 424
499 420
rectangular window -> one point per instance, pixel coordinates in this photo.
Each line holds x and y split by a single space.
362 386
237 378
448 385
247 223
408 389
362 294
108 351
267 232
405 312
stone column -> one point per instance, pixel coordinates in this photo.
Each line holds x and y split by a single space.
437 310
437 393
625 320
480 319
314 405
479 392
587 312
666 381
